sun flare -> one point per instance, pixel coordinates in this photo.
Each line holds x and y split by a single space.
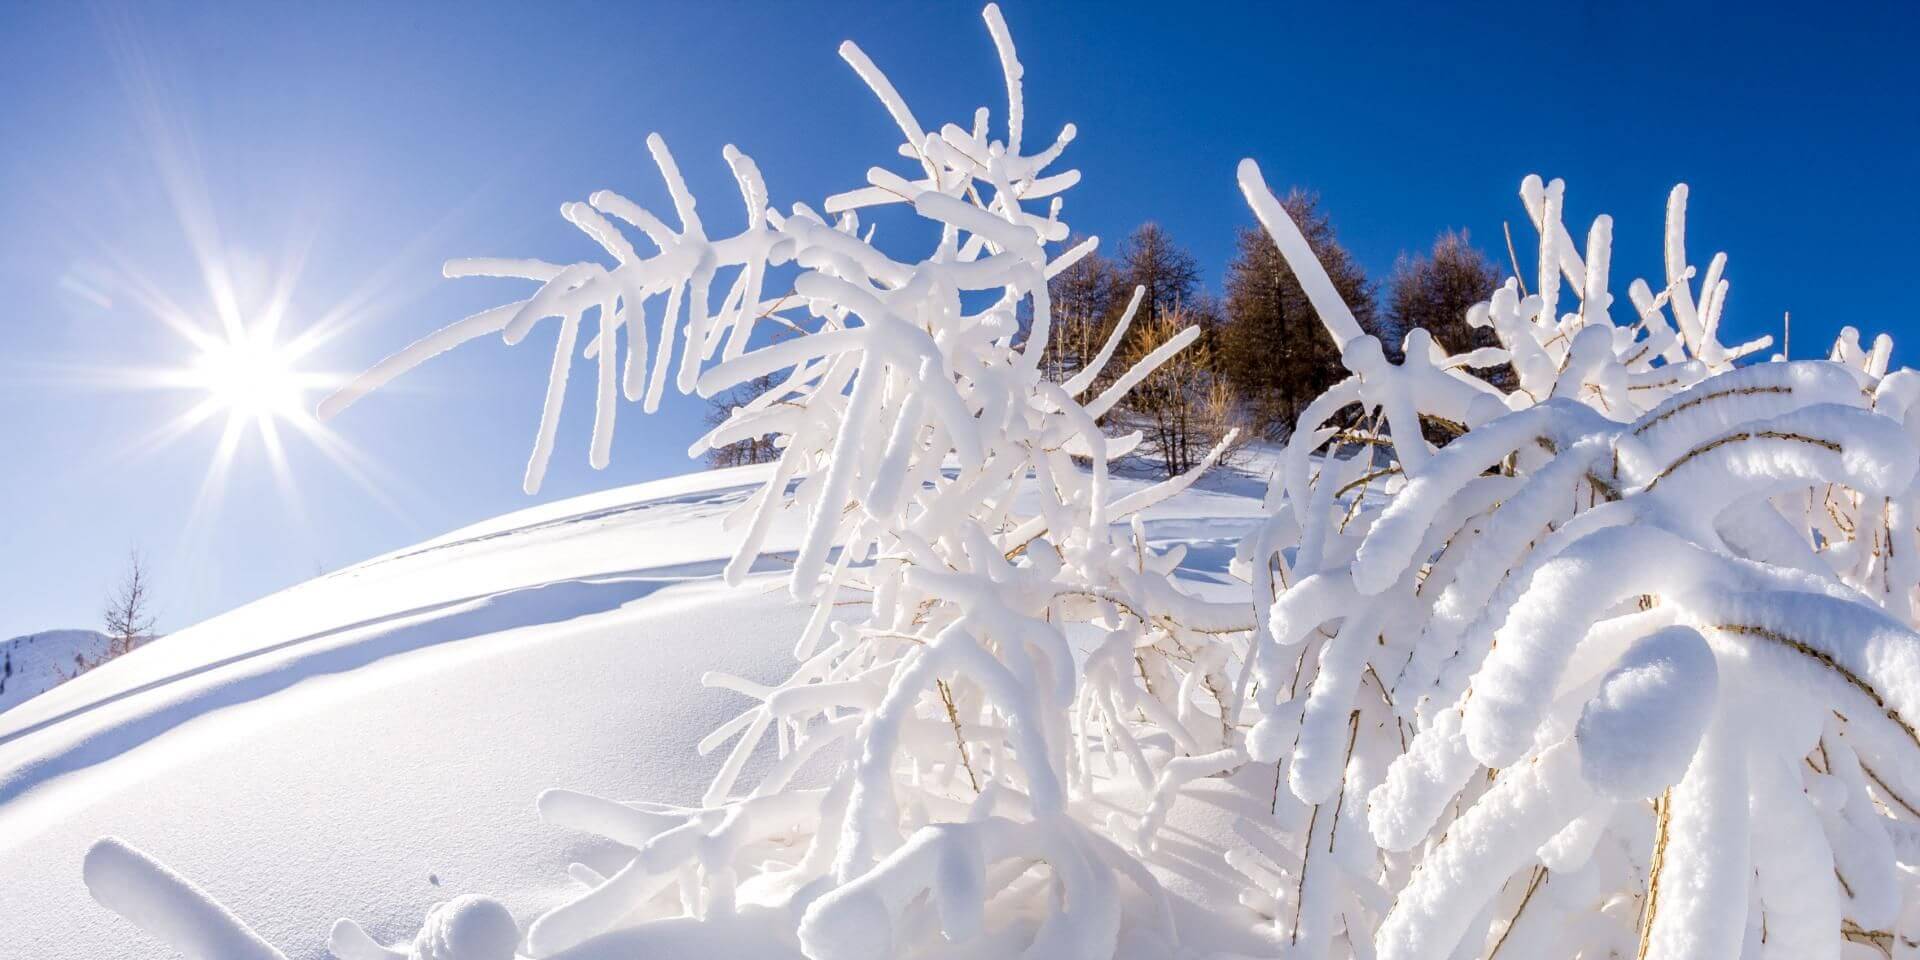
251 377
254 384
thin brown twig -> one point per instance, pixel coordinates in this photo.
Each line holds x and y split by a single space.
1539 874
1741 437
953 716
1827 660
1662 832
1511 255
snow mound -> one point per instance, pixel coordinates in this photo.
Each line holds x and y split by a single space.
371 743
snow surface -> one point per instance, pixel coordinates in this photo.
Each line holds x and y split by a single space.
371 743
37 662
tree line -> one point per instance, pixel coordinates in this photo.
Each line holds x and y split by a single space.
1262 354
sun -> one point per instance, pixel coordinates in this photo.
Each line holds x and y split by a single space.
251 378
257 387
246 373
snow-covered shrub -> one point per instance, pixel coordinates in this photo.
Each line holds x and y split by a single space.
1021 647
1625 668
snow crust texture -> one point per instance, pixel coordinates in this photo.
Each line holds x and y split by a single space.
1624 667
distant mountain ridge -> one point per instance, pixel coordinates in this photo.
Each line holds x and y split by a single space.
37 662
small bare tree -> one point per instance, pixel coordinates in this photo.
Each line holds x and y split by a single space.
129 617
1185 406
758 449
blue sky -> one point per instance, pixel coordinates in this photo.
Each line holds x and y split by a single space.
353 147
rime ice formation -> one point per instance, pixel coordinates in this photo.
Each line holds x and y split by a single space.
1625 667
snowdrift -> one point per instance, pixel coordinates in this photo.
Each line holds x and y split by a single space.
373 742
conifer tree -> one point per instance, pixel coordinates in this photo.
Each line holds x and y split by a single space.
1436 290
1273 348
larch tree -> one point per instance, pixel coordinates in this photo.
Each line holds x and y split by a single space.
1152 260
1434 292
1184 409
1273 349
746 450
1086 298
128 617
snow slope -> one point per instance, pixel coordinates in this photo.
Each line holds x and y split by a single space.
371 742
37 662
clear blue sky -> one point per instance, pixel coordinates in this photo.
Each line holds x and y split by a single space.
366 143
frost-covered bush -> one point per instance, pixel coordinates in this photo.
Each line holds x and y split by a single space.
1021 646
1625 668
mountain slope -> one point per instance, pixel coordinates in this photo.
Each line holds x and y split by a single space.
37 662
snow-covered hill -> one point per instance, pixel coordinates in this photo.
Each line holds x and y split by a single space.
37 662
371 742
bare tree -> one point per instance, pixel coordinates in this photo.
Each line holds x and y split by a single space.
128 617
1169 273
1086 297
1184 407
758 449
